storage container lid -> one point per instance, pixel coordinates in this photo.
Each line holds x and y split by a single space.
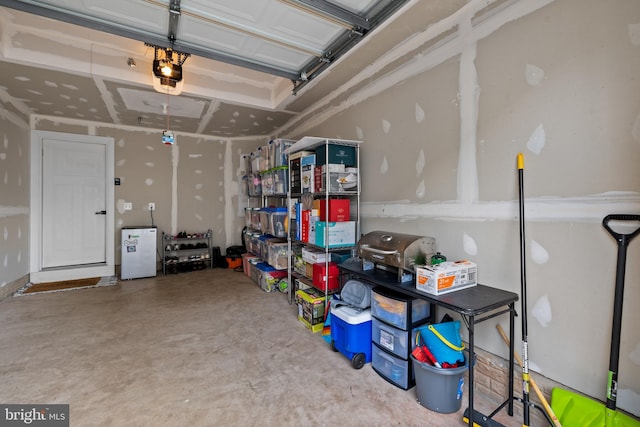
352 316
356 293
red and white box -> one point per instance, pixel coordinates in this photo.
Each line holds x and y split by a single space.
339 210
321 277
446 277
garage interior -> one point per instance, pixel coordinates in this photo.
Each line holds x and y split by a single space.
443 94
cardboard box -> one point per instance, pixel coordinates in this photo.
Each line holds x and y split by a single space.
326 280
313 256
333 167
338 154
308 272
307 168
446 277
315 207
313 328
339 234
301 284
296 181
338 210
312 228
311 303
304 225
300 154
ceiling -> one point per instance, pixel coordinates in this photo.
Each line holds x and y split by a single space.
254 65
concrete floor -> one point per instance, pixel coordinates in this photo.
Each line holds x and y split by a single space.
206 348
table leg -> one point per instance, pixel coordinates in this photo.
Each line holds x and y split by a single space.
470 361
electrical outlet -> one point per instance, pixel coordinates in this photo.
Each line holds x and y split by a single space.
128 206
152 206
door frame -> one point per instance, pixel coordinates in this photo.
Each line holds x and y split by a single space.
36 272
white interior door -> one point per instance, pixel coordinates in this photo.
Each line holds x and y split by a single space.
74 203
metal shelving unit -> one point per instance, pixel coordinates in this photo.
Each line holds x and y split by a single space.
188 252
350 191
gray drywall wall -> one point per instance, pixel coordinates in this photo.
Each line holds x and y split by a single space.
196 183
14 200
559 84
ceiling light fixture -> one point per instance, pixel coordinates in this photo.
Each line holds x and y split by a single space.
167 65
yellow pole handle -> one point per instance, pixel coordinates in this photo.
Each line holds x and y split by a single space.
520 161
547 408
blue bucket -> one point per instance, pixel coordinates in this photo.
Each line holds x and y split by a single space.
444 341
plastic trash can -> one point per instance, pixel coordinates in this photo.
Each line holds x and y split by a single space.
439 389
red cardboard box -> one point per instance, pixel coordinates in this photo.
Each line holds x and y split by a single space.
304 235
320 276
338 210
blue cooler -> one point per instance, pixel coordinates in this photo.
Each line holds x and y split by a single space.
351 333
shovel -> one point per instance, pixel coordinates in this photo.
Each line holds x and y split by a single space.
576 410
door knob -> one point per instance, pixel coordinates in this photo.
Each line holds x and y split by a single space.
101 212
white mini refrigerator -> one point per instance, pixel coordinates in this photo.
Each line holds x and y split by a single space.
138 248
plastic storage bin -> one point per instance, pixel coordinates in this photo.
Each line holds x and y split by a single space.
277 222
246 238
270 279
351 333
255 185
256 270
439 389
263 163
278 255
265 214
267 183
394 340
247 217
265 240
280 180
395 308
397 371
254 246
246 263
279 146
255 218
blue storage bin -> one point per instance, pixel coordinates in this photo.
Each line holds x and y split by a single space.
397 309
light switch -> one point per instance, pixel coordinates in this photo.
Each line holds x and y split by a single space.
128 206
